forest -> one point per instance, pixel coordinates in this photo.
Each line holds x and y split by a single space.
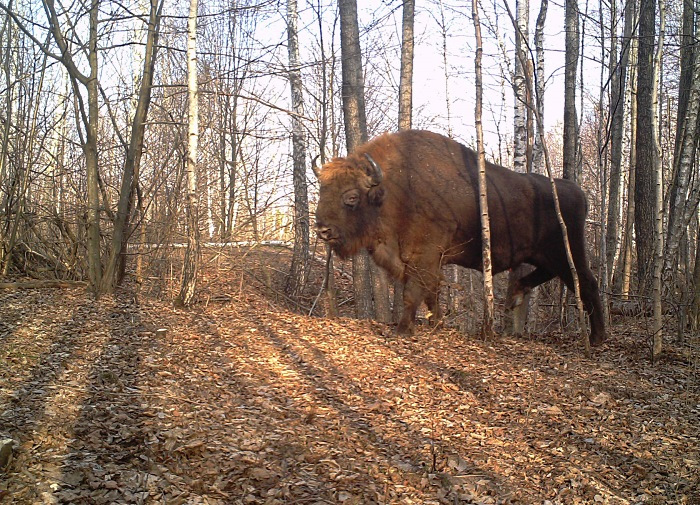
172 330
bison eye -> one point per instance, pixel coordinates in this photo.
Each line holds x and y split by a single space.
351 198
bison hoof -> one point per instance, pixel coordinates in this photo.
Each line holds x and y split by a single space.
405 330
436 323
598 339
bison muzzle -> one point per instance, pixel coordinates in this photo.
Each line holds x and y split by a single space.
411 199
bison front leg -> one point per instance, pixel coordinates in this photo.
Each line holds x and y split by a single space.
434 311
421 285
413 294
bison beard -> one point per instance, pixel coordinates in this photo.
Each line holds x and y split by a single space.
411 198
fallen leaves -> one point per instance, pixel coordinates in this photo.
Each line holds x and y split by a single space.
242 403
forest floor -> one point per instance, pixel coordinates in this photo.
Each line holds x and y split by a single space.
241 401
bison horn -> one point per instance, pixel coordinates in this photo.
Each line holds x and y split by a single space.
314 166
376 174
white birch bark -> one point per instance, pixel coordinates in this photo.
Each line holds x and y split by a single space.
487 328
520 106
296 280
191 264
682 205
659 210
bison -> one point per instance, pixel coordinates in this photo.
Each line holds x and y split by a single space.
411 199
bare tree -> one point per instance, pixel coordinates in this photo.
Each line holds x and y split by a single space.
406 77
405 108
114 269
522 148
355 133
571 145
300 257
647 154
683 203
618 86
628 240
190 269
537 153
658 190
487 328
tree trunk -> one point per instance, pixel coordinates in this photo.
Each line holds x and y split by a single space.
686 141
618 84
91 160
695 307
4 144
300 257
406 77
516 318
520 85
487 328
355 133
117 252
647 156
658 192
570 141
190 269
629 218
538 155
405 110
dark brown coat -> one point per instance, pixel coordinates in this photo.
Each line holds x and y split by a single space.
411 198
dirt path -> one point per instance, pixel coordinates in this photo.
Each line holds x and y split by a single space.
240 403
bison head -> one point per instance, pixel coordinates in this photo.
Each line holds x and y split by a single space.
349 199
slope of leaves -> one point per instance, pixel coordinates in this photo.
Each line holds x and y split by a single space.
242 402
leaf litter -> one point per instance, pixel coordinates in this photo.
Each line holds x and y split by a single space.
240 401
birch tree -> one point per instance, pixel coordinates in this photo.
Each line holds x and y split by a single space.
190 269
630 213
658 190
618 86
405 109
683 202
487 328
300 256
522 147
571 144
537 152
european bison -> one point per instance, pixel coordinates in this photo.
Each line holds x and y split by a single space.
411 198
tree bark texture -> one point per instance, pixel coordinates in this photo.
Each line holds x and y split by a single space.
190 270
618 84
570 141
353 95
520 85
406 77
647 155
300 256
515 319
682 205
405 110
487 328
537 154
658 193
117 252
629 219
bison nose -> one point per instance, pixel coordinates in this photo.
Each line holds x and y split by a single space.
324 232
